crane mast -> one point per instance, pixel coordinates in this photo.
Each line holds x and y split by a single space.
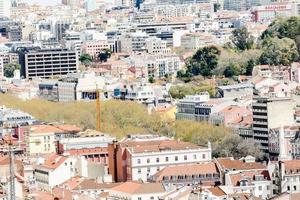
11 173
98 113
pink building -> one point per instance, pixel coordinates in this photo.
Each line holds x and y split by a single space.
93 48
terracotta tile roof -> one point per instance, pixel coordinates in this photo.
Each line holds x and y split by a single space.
292 164
5 161
72 182
68 128
203 168
249 175
157 145
86 151
36 129
87 184
216 191
236 109
243 197
231 164
139 188
54 161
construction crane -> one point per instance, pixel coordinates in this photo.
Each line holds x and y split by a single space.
12 190
98 111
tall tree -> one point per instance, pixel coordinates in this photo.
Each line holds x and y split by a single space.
278 51
104 55
204 61
10 68
242 39
85 59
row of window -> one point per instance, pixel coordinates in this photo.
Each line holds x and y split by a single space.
166 159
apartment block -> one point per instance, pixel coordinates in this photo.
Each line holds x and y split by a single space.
270 112
140 157
46 63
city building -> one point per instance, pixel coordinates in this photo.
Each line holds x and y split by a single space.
93 48
267 114
202 108
143 156
46 63
13 118
235 91
57 169
270 12
199 174
5 8
42 139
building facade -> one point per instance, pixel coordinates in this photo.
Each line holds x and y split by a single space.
46 63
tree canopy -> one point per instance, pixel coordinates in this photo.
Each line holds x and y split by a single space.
10 68
242 39
278 51
284 28
120 118
104 55
204 61
85 58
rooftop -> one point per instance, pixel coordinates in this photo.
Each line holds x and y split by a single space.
231 164
201 168
158 146
139 188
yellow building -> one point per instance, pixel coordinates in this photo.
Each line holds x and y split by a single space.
40 139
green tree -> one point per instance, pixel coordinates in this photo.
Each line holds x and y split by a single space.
278 51
151 80
249 67
104 55
204 61
233 145
217 7
231 70
85 59
284 28
242 39
10 68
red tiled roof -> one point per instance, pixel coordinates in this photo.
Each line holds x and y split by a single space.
139 188
54 161
216 191
86 151
231 164
202 168
157 145
249 175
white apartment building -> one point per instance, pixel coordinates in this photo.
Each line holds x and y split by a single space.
194 41
256 182
157 46
146 155
40 139
145 164
60 168
133 42
159 66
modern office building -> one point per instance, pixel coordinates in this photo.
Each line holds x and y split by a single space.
46 63
270 112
